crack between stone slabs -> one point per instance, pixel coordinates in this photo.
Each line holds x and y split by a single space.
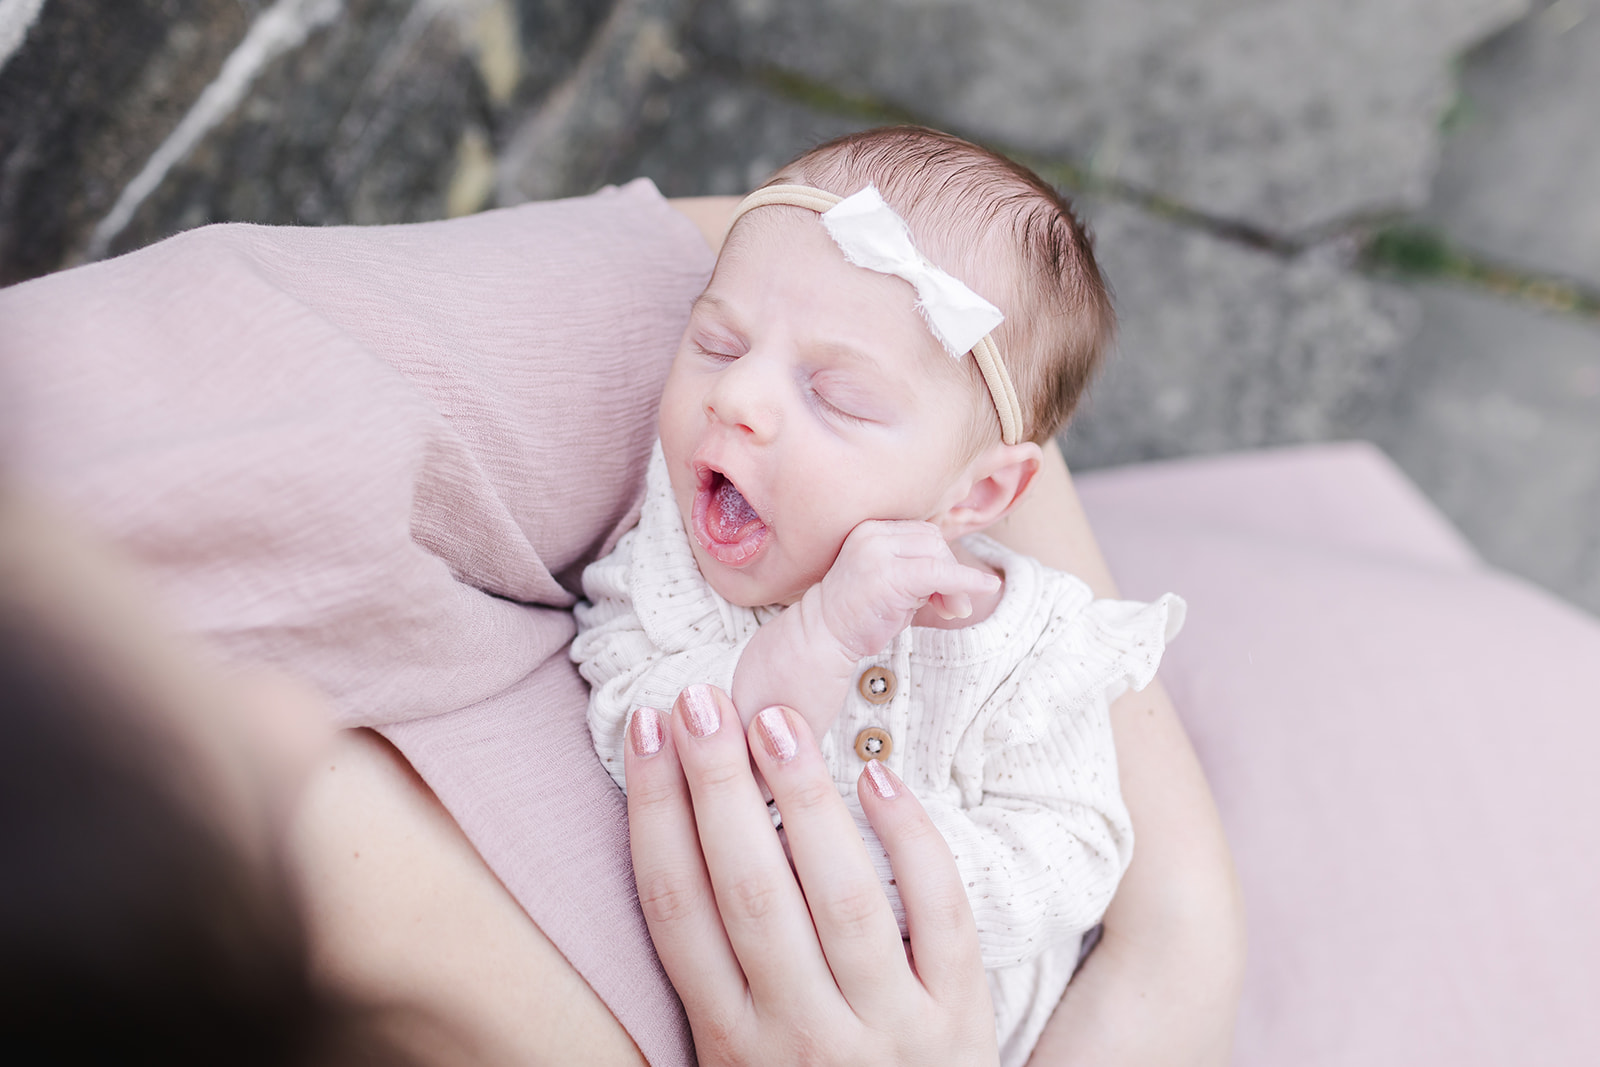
799 89
1408 252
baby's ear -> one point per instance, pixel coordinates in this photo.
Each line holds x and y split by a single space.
1000 477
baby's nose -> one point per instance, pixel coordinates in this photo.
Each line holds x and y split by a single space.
746 399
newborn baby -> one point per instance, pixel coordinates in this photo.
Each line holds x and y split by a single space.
896 322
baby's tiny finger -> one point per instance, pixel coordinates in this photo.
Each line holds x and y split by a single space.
960 580
986 582
952 605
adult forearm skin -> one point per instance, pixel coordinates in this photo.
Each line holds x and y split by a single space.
1162 987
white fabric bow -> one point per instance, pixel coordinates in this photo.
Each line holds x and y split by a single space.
871 235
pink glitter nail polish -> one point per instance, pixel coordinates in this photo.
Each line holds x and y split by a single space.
776 734
700 710
645 732
878 778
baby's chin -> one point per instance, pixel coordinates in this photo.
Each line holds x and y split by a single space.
743 588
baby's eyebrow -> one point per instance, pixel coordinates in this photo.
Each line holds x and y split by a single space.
839 351
710 301
847 353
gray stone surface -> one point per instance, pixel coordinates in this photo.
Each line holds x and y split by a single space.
361 111
1519 182
1286 115
716 136
87 96
1496 415
562 147
1226 347
359 124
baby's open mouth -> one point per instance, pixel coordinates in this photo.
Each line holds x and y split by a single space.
724 522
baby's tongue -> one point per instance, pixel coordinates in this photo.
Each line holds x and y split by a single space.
730 513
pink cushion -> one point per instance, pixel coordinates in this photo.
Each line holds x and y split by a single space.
1402 744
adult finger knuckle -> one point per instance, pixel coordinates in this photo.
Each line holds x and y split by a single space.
646 793
947 911
755 896
721 775
666 898
719 1036
807 796
918 834
808 1046
856 908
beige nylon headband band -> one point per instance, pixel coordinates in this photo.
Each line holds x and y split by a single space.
985 352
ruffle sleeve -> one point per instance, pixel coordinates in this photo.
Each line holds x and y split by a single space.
1087 656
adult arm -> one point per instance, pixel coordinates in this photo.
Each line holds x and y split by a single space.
712 215
404 915
1163 985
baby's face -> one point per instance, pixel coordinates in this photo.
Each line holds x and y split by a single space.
807 396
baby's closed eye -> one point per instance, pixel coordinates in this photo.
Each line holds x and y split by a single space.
841 397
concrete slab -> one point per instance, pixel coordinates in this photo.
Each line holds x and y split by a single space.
1496 415
1285 115
1519 181
87 95
713 135
121 124
1226 347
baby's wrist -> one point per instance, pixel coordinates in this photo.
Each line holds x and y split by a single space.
791 661
832 652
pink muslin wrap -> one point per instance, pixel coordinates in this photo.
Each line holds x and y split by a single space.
380 457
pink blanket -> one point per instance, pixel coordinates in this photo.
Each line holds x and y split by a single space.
380 457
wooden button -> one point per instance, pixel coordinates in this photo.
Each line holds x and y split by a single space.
874 743
877 685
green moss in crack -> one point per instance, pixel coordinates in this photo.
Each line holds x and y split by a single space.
1419 253
1413 251
802 90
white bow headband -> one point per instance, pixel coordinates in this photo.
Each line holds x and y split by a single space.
871 235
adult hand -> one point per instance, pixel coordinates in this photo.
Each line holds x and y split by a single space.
805 966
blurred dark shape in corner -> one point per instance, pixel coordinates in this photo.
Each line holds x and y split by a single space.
132 929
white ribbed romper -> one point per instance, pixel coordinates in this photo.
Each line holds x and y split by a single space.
1001 729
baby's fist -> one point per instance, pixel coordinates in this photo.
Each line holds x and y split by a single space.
886 571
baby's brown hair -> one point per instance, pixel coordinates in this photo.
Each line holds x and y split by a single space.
1004 231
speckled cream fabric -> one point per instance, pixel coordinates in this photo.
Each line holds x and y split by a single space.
1001 729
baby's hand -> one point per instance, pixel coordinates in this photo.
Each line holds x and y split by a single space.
885 572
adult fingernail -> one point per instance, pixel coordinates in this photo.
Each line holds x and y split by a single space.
878 777
776 734
645 732
700 710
